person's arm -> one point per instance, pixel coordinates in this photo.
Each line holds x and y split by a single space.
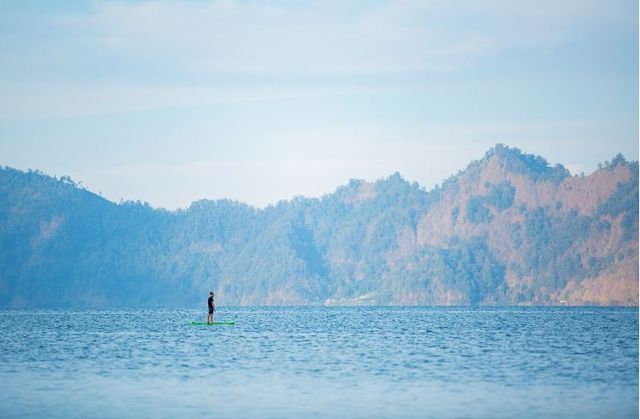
213 303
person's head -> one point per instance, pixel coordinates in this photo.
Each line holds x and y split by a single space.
211 293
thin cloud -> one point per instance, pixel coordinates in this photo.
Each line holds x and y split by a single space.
123 56
72 100
324 38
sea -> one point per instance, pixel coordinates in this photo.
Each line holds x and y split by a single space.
321 362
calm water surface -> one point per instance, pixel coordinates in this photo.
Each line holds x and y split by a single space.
321 362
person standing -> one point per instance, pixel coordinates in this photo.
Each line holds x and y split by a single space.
212 307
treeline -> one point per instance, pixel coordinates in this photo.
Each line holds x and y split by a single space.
62 245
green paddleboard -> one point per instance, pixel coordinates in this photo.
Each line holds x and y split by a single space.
212 324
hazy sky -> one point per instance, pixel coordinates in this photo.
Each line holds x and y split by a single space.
173 101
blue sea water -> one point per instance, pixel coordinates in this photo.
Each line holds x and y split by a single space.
458 362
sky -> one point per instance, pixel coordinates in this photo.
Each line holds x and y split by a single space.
173 101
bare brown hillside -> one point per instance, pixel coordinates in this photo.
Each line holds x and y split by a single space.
502 229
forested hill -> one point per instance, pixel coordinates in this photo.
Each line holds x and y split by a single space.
509 229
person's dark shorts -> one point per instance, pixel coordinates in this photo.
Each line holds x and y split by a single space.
210 310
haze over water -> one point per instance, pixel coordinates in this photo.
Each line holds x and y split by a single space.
321 362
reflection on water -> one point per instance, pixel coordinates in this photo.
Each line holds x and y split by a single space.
321 362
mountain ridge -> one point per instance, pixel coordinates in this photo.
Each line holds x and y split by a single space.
508 229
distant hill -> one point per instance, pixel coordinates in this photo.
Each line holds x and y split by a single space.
509 229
